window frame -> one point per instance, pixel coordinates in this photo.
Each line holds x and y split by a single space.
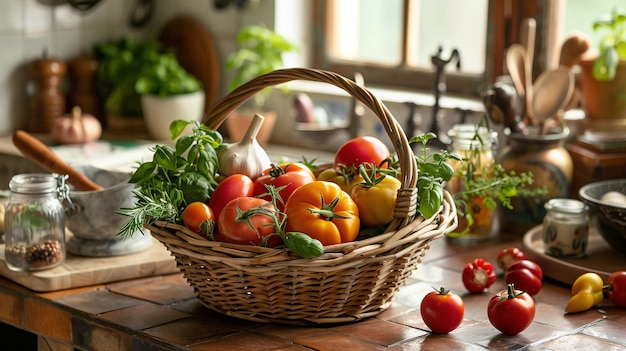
504 16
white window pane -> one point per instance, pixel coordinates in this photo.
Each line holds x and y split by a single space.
366 30
451 24
579 16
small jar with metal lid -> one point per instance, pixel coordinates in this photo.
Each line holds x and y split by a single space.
35 222
565 228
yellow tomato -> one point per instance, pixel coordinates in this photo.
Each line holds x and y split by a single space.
376 202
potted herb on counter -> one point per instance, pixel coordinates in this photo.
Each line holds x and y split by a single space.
260 51
135 75
603 74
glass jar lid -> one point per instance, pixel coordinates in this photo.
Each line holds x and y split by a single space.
566 206
33 183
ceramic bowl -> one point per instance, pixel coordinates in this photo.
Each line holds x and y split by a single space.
609 219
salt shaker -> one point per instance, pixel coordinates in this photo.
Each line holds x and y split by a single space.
35 221
565 228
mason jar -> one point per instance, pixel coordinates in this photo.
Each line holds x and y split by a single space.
35 222
476 145
565 228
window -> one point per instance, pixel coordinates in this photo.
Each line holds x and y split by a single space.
391 42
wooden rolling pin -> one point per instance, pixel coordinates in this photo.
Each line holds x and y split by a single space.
42 155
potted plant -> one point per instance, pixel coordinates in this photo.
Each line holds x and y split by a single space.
603 74
260 51
135 75
168 93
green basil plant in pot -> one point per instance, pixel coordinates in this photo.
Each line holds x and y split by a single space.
603 74
168 93
260 51
132 72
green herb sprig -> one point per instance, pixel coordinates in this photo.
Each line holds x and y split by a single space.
175 177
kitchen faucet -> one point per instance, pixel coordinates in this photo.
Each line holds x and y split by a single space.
440 82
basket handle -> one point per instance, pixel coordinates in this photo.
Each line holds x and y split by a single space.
407 194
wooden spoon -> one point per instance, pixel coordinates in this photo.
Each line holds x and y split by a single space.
43 156
552 91
516 66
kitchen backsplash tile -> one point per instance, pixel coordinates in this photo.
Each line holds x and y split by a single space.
37 17
11 17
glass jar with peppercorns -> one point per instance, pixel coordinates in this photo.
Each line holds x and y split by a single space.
35 221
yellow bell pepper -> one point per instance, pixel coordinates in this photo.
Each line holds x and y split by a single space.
586 293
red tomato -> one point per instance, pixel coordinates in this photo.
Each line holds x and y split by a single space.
526 275
232 187
511 311
478 275
508 256
198 217
365 149
237 229
290 176
617 288
442 310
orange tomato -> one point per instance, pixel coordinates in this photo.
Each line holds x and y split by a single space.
323 211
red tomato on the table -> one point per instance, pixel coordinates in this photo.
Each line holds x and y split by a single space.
509 255
245 231
526 275
232 187
617 288
478 275
511 311
365 149
442 310
290 176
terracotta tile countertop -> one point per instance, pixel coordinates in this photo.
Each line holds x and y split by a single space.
162 313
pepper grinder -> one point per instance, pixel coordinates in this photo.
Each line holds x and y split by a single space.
47 101
82 73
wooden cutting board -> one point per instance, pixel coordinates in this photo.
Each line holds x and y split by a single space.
196 52
79 271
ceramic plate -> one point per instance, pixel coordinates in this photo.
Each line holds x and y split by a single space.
600 258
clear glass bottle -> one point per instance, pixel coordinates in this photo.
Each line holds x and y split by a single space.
565 228
35 222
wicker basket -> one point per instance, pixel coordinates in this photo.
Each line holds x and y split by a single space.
348 282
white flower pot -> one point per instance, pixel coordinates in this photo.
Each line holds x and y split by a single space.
159 112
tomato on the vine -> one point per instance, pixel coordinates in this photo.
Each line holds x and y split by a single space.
511 311
359 150
526 275
442 310
288 177
232 187
324 212
237 227
199 217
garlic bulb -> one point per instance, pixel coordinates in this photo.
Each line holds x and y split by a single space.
76 128
246 156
